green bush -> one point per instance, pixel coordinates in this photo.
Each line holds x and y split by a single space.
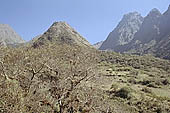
124 93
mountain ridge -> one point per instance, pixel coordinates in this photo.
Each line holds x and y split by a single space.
151 38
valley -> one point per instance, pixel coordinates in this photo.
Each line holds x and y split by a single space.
59 71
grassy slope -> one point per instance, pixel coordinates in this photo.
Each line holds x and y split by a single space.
57 67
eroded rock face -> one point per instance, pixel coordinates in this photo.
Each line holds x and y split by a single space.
8 36
61 32
124 32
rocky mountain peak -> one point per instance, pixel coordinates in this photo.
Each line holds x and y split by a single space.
152 20
124 32
165 24
61 32
61 24
154 11
153 14
58 27
8 36
131 17
149 30
153 36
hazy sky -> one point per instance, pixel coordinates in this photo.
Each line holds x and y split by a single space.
93 19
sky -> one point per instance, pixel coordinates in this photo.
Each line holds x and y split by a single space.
93 19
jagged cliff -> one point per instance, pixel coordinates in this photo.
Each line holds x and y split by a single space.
124 32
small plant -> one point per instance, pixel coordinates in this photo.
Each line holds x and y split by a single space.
165 82
114 87
146 90
132 81
152 84
134 72
124 93
113 67
145 82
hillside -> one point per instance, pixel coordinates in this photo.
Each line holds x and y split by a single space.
73 78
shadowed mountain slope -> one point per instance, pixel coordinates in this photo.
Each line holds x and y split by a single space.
153 37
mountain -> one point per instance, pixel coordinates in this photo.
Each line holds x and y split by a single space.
153 37
146 37
8 36
60 33
124 32
149 29
165 25
162 49
98 45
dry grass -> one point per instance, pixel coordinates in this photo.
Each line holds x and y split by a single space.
69 78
